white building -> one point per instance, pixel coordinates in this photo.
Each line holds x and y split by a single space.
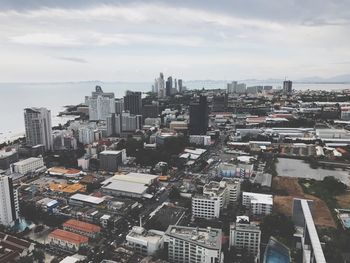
145 242
246 236
232 87
345 113
38 127
86 135
207 207
259 204
215 197
130 185
189 244
200 140
101 104
9 206
29 165
233 186
131 123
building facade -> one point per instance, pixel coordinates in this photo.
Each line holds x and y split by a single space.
193 245
259 204
29 165
9 207
38 127
246 236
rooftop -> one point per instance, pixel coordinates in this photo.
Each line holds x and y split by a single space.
28 161
68 236
108 152
87 198
82 226
259 198
206 237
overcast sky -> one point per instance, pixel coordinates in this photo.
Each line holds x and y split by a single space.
73 40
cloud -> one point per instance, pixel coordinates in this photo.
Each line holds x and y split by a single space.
73 59
45 39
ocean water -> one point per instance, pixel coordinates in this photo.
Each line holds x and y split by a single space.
14 97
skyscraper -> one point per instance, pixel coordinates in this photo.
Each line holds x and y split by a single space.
38 127
161 85
232 87
101 104
133 102
169 86
179 82
199 117
287 87
9 207
119 106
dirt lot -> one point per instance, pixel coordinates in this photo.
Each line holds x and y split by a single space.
344 200
290 187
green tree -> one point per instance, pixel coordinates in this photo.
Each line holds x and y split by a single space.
38 255
174 194
277 225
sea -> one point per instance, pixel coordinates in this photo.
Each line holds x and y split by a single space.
15 97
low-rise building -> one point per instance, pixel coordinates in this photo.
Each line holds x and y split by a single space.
190 244
110 160
145 242
67 240
82 228
85 200
29 165
7 158
129 185
259 204
203 140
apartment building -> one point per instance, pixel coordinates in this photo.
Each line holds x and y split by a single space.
259 204
193 245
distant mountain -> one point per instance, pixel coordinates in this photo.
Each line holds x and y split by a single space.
336 79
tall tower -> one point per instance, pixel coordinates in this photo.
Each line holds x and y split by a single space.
199 117
9 207
287 87
38 127
133 102
101 104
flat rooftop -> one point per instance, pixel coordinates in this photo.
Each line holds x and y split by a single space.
28 161
207 237
87 199
259 198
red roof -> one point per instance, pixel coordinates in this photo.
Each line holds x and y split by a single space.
68 236
82 226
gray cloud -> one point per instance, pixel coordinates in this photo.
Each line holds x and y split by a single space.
73 59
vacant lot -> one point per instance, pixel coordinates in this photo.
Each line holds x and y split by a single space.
291 188
344 200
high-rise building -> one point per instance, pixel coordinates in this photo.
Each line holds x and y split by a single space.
101 104
287 87
232 87
220 103
133 102
9 207
161 86
150 110
119 106
199 117
38 127
113 124
131 123
190 244
169 86
179 81
86 134
308 241
244 235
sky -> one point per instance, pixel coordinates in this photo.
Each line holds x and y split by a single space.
65 40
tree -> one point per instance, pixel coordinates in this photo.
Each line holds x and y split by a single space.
38 255
174 194
277 225
25 259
